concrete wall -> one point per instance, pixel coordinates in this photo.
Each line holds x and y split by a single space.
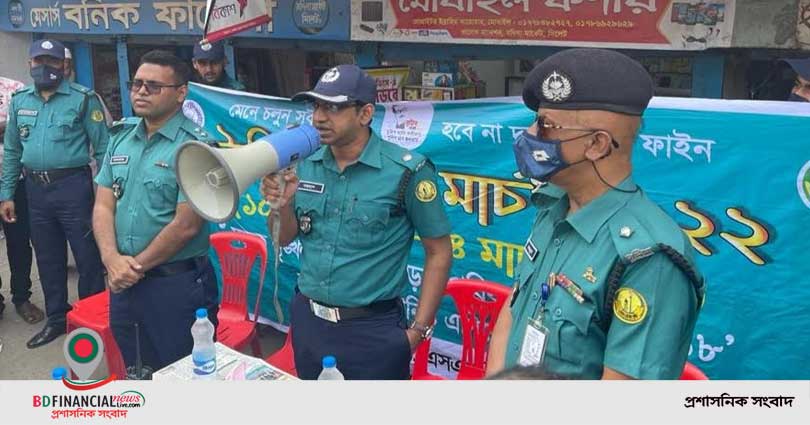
14 55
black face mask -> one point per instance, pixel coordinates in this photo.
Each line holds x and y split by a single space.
796 98
46 77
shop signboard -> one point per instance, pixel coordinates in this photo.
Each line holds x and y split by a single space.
633 24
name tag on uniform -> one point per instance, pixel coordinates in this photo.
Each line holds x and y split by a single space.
119 159
27 112
312 187
534 345
529 249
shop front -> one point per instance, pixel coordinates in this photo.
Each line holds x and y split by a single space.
108 39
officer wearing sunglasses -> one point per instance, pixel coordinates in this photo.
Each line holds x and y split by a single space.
153 245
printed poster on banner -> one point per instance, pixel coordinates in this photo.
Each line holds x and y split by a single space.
745 220
632 24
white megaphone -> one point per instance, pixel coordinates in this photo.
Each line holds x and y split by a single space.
214 179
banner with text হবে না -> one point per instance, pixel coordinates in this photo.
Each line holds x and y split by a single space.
735 175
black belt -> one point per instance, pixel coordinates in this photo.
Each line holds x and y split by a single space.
50 176
177 267
348 313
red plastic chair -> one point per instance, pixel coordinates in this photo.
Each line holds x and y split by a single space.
284 358
237 253
94 313
692 373
478 302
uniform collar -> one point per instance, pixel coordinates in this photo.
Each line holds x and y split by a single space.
64 87
172 126
371 156
169 129
589 219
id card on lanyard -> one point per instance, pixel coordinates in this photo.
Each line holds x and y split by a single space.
534 341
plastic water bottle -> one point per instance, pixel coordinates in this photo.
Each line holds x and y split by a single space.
204 353
330 371
58 373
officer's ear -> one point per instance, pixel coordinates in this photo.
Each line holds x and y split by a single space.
366 113
182 92
601 144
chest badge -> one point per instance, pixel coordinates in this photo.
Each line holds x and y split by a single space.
118 188
25 131
588 275
305 224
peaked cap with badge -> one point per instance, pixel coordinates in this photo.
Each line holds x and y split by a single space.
589 79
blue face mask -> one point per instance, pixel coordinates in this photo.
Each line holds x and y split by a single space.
538 158
796 98
46 77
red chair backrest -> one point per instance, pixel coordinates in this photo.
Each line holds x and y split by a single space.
478 302
237 253
692 373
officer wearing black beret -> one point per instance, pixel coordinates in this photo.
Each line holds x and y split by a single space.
607 288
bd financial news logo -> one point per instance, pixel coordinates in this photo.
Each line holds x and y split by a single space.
84 350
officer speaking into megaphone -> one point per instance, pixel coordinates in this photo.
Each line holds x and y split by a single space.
355 204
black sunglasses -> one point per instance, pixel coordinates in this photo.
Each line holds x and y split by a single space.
152 87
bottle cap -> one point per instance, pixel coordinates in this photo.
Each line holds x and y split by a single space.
202 313
329 361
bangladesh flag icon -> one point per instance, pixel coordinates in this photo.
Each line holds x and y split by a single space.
83 352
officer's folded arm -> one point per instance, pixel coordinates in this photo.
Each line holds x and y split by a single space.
172 238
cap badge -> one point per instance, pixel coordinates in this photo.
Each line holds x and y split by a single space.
330 76
206 47
557 87
47 45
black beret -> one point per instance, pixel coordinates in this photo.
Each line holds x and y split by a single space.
582 79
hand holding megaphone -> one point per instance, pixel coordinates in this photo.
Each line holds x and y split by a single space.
278 189
213 179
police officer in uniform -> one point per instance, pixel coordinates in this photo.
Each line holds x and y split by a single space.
209 62
153 245
52 126
607 288
355 205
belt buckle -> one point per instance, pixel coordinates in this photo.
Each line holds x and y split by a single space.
330 314
43 177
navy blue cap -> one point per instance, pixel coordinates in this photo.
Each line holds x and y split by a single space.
343 84
801 66
51 48
589 79
209 51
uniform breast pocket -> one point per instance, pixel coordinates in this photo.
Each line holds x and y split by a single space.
161 190
568 323
64 128
25 127
309 210
366 224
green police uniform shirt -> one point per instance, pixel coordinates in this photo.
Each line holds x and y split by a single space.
656 305
46 135
144 170
355 233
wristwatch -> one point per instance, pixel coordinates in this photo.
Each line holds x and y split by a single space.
425 332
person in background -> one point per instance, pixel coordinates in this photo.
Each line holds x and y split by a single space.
209 63
52 127
801 88
153 245
20 257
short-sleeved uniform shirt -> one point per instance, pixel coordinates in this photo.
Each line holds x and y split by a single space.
144 173
655 307
47 135
361 222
